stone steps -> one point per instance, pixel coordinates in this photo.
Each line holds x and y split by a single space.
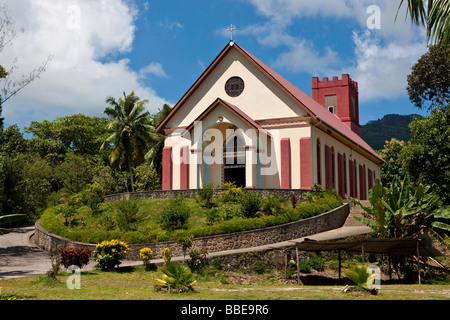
355 212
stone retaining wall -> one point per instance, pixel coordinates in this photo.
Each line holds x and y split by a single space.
191 193
236 240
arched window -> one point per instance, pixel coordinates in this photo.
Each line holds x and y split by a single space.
318 163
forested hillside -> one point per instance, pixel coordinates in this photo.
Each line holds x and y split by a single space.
376 132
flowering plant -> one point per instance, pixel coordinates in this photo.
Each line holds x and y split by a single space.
109 253
166 256
146 254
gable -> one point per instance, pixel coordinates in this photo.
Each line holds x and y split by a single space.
260 99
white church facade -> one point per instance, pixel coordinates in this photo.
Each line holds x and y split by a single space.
242 122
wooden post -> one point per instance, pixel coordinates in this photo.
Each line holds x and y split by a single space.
418 259
285 264
298 266
390 267
362 253
339 258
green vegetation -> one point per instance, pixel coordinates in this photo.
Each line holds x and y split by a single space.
405 209
131 131
154 220
62 158
176 278
358 275
136 283
391 126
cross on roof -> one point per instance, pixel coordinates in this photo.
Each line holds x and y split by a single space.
231 29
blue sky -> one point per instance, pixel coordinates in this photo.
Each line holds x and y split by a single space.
159 48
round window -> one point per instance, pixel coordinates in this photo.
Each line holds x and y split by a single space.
234 86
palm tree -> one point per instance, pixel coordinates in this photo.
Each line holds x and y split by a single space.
131 132
154 156
435 17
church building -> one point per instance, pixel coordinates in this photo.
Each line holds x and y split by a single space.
242 122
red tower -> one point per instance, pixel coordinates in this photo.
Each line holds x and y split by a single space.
339 97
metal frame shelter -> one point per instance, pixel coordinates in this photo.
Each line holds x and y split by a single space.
421 246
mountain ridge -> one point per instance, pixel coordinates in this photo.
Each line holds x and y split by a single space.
377 132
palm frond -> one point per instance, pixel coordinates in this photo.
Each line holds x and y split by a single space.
416 10
438 23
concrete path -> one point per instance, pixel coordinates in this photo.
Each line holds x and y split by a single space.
20 257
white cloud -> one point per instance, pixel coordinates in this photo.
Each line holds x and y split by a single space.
381 70
382 57
80 35
171 24
303 57
154 68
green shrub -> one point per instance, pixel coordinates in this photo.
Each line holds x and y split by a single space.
68 211
175 215
317 263
260 267
229 210
127 214
212 215
304 267
205 196
251 203
231 194
198 261
272 205
93 196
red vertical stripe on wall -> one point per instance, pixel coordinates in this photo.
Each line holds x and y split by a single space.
328 168
305 163
362 183
167 168
285 163
341 176
352 178
184 167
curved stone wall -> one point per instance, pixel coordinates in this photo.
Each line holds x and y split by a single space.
190 193
237 240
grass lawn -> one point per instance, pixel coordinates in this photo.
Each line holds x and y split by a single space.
137 284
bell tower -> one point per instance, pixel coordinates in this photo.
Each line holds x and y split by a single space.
339 97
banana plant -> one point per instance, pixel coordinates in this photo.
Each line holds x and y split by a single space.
404 209
375 215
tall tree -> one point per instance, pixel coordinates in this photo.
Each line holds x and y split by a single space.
78 133
427 156
434 16
429 80
131 132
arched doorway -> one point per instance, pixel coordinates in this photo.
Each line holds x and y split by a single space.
233 166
